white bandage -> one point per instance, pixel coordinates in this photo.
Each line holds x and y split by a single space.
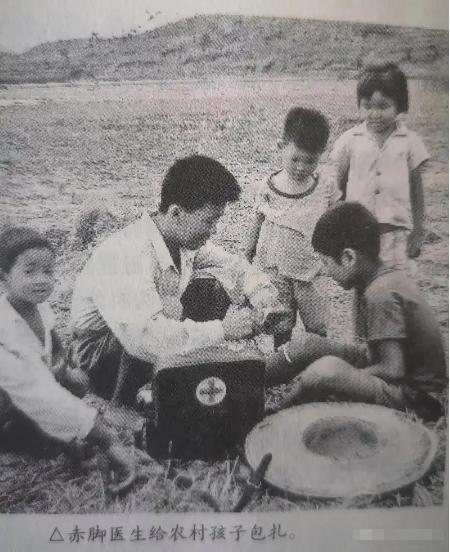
285 353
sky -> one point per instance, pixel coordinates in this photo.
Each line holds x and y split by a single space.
25 23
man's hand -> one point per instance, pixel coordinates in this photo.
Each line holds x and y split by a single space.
76 381
238 324
415 241
274 319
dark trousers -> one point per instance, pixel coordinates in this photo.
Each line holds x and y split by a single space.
113 373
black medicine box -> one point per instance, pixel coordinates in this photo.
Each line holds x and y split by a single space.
205 402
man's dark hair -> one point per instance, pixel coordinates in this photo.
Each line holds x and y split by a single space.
16 240
347 225
388 79
307 128
196 181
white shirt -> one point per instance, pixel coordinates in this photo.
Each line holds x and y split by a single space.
26 377
379 176
131 285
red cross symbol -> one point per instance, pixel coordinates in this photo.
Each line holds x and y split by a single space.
211 391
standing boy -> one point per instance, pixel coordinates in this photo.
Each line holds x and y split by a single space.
403 359
287 207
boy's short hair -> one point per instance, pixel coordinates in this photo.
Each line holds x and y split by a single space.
347 225
16 240
307 129
196 181
386 78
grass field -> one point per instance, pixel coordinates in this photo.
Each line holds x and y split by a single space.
62 144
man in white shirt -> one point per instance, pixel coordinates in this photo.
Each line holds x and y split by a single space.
126 305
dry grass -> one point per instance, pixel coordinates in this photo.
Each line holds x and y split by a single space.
58 485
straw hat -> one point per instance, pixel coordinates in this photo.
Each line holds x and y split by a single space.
341 450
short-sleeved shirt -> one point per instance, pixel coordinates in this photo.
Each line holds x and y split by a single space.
27 379
392 307
284 241
379 176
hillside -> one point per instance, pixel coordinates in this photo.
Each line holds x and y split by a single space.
205 46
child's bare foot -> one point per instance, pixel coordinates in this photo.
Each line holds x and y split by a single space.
123 483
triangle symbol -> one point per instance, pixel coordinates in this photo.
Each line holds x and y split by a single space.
56 536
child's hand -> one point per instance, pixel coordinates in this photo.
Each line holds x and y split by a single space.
112 456
414 245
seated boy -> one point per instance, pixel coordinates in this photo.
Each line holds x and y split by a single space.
33 404
403 357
